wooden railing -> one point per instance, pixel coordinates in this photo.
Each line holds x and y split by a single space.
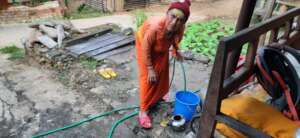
282 30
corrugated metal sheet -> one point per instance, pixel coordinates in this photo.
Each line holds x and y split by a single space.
100 47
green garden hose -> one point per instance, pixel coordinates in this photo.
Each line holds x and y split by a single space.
83 121
183 72
173 73
114 126
184 76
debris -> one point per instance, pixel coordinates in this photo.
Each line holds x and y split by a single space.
60 35
158 131
128 31
47 41
52 54
115 104
32 38
189 55
51 32
190 135
98 90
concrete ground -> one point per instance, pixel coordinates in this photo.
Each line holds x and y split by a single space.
33 100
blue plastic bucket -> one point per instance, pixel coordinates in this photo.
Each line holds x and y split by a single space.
185 104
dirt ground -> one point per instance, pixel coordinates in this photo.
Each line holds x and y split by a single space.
33 99
227 10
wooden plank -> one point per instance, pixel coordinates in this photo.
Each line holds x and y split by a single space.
47 41
111 46
101 44
111 53
94 40
87 36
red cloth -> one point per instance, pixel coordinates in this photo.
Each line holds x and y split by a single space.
183 6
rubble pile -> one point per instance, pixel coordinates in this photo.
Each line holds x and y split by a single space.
46 43
59 43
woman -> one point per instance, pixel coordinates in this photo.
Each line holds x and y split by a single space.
153 41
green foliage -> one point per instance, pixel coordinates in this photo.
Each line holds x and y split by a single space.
14 52
140 17
204 37
63 77
89 63
85 11
37 2
66 3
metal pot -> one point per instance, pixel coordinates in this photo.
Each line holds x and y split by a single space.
178 123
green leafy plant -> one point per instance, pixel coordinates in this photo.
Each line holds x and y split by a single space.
85 11
13 51
37 2
89 63
140 17
204 37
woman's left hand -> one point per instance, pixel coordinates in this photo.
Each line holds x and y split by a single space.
178 57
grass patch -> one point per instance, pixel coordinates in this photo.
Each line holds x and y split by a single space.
85 11
14 52
63 77
88 63
140 17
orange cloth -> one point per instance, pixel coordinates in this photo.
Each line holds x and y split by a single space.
152 49
258 115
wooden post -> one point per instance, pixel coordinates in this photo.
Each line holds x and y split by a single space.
119 5
243 22
4 4
269 8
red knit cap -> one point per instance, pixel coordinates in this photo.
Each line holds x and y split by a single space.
183 6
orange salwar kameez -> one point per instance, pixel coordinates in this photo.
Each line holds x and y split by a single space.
152 48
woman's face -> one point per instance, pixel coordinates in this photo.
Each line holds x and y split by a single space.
175 20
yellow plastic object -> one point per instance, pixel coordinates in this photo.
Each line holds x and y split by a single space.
107 73
257 114
104 74
164 122
111 72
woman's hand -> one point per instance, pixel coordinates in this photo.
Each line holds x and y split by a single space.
178 57
152 78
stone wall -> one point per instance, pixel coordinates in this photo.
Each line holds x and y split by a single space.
22 14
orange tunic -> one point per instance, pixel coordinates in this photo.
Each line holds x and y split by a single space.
152 49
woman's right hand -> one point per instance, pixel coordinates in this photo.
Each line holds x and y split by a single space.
152 78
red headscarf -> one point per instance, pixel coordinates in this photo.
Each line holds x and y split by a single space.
183 6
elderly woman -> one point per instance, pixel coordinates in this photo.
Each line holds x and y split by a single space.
153 41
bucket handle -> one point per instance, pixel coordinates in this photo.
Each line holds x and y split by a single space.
189 108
